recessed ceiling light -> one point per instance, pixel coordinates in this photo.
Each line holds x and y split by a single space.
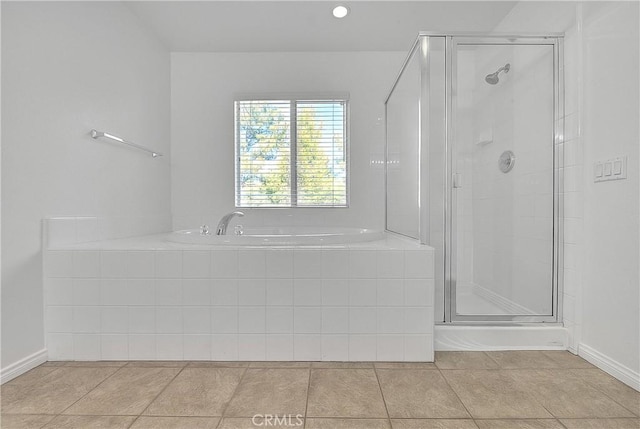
340 11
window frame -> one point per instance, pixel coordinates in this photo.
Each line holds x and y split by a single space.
294 100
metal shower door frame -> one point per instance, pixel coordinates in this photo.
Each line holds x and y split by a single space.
450 227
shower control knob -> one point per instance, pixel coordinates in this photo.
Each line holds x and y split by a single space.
506 161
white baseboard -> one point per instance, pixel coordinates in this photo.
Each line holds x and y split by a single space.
610 366
23 365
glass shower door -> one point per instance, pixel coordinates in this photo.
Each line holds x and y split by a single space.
501 154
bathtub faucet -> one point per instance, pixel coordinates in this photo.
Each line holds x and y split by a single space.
224 222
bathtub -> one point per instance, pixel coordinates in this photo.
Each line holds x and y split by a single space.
280 236
281 294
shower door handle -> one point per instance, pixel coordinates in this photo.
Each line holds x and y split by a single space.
457 181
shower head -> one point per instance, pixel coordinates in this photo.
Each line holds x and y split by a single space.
492 78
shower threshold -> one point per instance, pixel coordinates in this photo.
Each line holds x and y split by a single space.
535 336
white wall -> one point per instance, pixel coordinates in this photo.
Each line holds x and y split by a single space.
611 291
68 68
202 133
601 299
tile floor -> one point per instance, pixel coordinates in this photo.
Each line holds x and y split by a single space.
528 389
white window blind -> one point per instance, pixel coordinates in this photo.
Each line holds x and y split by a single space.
291 153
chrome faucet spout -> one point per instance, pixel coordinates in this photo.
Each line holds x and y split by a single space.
224 222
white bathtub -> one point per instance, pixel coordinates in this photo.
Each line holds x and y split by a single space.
280 236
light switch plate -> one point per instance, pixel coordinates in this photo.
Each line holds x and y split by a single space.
610 169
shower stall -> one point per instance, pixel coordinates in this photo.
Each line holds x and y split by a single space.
474 153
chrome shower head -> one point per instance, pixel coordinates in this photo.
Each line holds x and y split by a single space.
492 78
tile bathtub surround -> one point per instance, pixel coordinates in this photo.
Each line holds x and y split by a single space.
520 390
154 300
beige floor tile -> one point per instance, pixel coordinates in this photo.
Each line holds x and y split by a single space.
53 392
127 392
270 391
24 421
279 364
405 365
341 365
54 363
345 393
601 423
95 364
419 394
197 392
317 423
567 360
522 359
616 390
157 363
218 364
93 422
464 360
489 394
145 422
433 424
565 396
520 424
248 423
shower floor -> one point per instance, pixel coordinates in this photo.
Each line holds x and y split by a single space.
470 302
473 299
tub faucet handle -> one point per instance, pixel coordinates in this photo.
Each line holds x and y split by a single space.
224 222
204 230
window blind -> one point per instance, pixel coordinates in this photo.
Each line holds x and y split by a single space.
291 153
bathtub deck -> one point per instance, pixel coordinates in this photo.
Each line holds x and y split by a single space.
161 242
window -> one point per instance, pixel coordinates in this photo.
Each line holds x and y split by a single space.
291 153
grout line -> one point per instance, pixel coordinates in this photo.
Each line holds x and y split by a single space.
90 415
503 369
306 405
456 393
244 372
386 409
39 427
636 413
532 395
371 418
96 386
133 422
493 360
162 391
596 418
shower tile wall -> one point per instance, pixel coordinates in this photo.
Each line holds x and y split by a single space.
240 304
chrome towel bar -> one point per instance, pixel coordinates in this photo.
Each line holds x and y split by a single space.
97 134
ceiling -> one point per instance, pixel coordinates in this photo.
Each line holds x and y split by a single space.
268 26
